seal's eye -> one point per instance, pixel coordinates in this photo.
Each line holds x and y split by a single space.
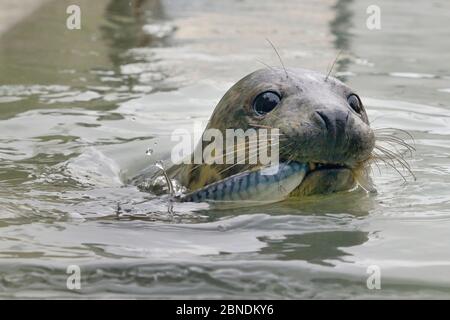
354 103
265 102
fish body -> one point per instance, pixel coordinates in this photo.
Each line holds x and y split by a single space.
269 184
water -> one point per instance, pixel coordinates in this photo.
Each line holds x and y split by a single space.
80 110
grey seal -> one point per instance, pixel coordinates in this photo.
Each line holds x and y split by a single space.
322 122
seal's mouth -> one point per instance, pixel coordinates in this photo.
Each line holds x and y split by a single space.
317 166
325 178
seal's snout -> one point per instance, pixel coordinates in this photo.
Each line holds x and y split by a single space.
341 135
333 124
333 121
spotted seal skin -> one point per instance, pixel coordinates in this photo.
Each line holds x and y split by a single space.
322 122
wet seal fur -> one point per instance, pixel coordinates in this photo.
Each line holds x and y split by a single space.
317 126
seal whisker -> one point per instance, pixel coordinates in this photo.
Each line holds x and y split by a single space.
392 166
246 148
195 167
375 119
233 165
275 116
370 167
387 139
375 161
332 66
385 161
395 130
366 165
394 143
267 127
396 157
396 139
291 155
262 62
290 158
239 148
387 154
251 157
279 57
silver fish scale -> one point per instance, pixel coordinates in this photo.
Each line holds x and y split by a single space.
241 185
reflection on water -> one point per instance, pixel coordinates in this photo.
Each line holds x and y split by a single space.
123 28
315 247
78 110
340 29
341 24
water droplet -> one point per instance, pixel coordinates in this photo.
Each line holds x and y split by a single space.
159 164
149 152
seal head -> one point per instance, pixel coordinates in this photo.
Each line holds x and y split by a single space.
321 122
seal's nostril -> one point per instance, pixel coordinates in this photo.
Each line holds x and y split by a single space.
333 120
325 119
